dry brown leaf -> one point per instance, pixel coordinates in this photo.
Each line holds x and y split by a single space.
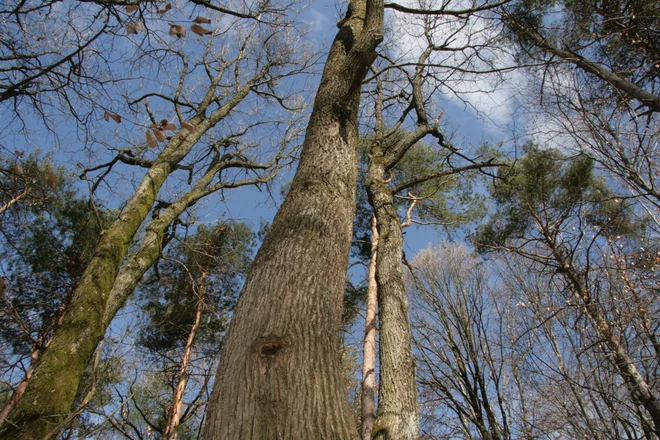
201 20
168 126
151 142
167 8
178 30
131 8
200 30
134 28
160 136
107 116
187 126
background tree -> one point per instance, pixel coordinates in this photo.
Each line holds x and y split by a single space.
463 364
555 212
198 295
599 89
48 236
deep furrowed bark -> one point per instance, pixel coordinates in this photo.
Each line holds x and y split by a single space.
280 371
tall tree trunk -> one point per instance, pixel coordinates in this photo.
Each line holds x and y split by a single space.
52 389
398 410
368 398
280 371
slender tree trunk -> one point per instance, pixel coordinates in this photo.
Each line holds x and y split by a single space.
280 371
20 388
639 389
398 410
369 347
174 415
177 399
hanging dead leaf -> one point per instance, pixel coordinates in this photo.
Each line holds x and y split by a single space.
187 126
167 8
160 136
107 116
200 30
151 142
134 28
131 8
178 30
165 125
18 169
201 20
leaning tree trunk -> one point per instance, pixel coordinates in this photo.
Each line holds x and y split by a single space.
52 388
640 391
398 411
280 371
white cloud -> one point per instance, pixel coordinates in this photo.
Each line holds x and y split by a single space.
493 96
319 20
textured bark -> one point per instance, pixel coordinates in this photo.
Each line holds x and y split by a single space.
280 371
51 390
368 398
398 410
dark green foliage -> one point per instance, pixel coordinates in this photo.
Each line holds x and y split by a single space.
47 239
546 187
169 301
